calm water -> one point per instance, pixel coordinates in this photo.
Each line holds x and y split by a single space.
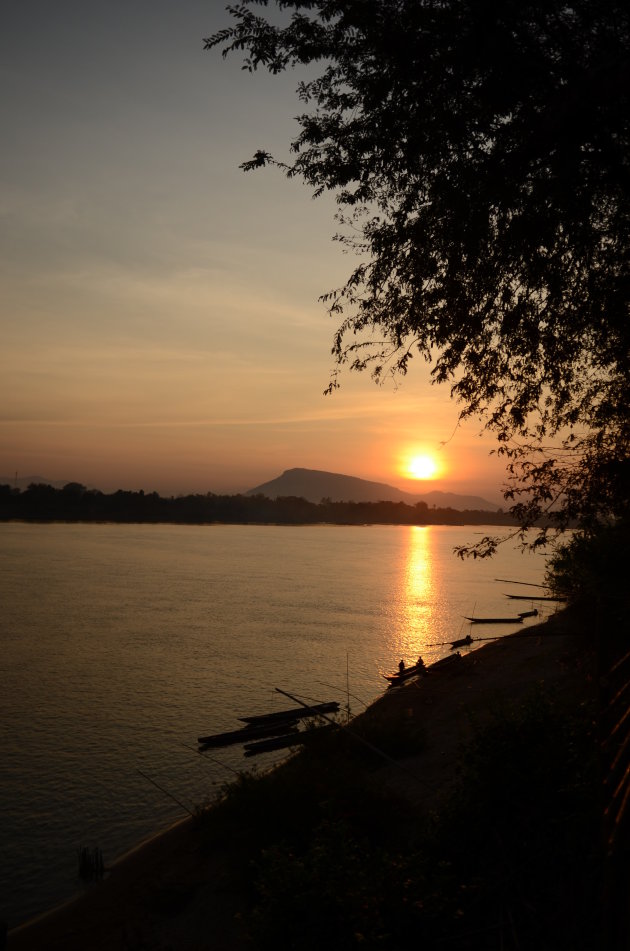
121 644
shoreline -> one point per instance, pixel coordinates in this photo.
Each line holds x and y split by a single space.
169 891
135 852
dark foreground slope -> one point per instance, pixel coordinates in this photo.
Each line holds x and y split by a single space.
475 826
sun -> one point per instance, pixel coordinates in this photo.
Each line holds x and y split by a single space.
422 467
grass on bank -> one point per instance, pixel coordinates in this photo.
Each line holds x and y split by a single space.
330 860
513 859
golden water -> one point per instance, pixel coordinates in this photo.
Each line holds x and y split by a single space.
120 644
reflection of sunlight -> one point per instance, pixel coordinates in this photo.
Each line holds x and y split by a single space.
416 597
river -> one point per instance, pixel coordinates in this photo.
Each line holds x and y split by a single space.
122 643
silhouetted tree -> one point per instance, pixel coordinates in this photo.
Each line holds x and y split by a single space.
74 488
43 503
479 152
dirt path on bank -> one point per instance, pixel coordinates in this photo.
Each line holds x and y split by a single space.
170 895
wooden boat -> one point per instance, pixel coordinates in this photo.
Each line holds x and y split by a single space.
275 743
461 642
244 734
533 613
395 680
445 662
533 597
419 669
298 713
529 584
297 738
406 673
495 620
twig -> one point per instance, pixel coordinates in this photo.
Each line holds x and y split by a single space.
322 683
211 758
166 793
347 688
530 584
360 739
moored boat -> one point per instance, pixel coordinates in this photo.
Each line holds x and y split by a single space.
420 669
298 713
495 620
448 661
231 737
275 743
406 673
534 597
297 738
461 642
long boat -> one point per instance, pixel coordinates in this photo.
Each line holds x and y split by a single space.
495 620
298 713
396 679
534 597
406 673
244 734
276 743
447 661
461 642
298 738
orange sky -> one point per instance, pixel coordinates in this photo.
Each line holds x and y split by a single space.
160 321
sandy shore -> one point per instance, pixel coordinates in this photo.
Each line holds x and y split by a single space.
171 894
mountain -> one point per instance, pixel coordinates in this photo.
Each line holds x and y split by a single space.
315 485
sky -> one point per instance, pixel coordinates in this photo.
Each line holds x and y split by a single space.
161 327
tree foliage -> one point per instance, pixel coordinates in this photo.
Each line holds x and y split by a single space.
41 502
479 156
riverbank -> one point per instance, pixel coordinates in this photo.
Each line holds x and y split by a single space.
185 890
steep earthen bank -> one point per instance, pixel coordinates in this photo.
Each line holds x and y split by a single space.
176 893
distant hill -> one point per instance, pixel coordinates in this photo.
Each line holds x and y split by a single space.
315 485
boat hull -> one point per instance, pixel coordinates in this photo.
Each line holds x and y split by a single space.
299 713
495 620
533 597
232 737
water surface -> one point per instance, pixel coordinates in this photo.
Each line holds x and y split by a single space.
122 643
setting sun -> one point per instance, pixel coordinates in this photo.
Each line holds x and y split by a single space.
421 466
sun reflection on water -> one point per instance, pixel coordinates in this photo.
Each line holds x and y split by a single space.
415 602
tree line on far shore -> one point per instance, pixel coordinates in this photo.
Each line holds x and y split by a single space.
75 502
